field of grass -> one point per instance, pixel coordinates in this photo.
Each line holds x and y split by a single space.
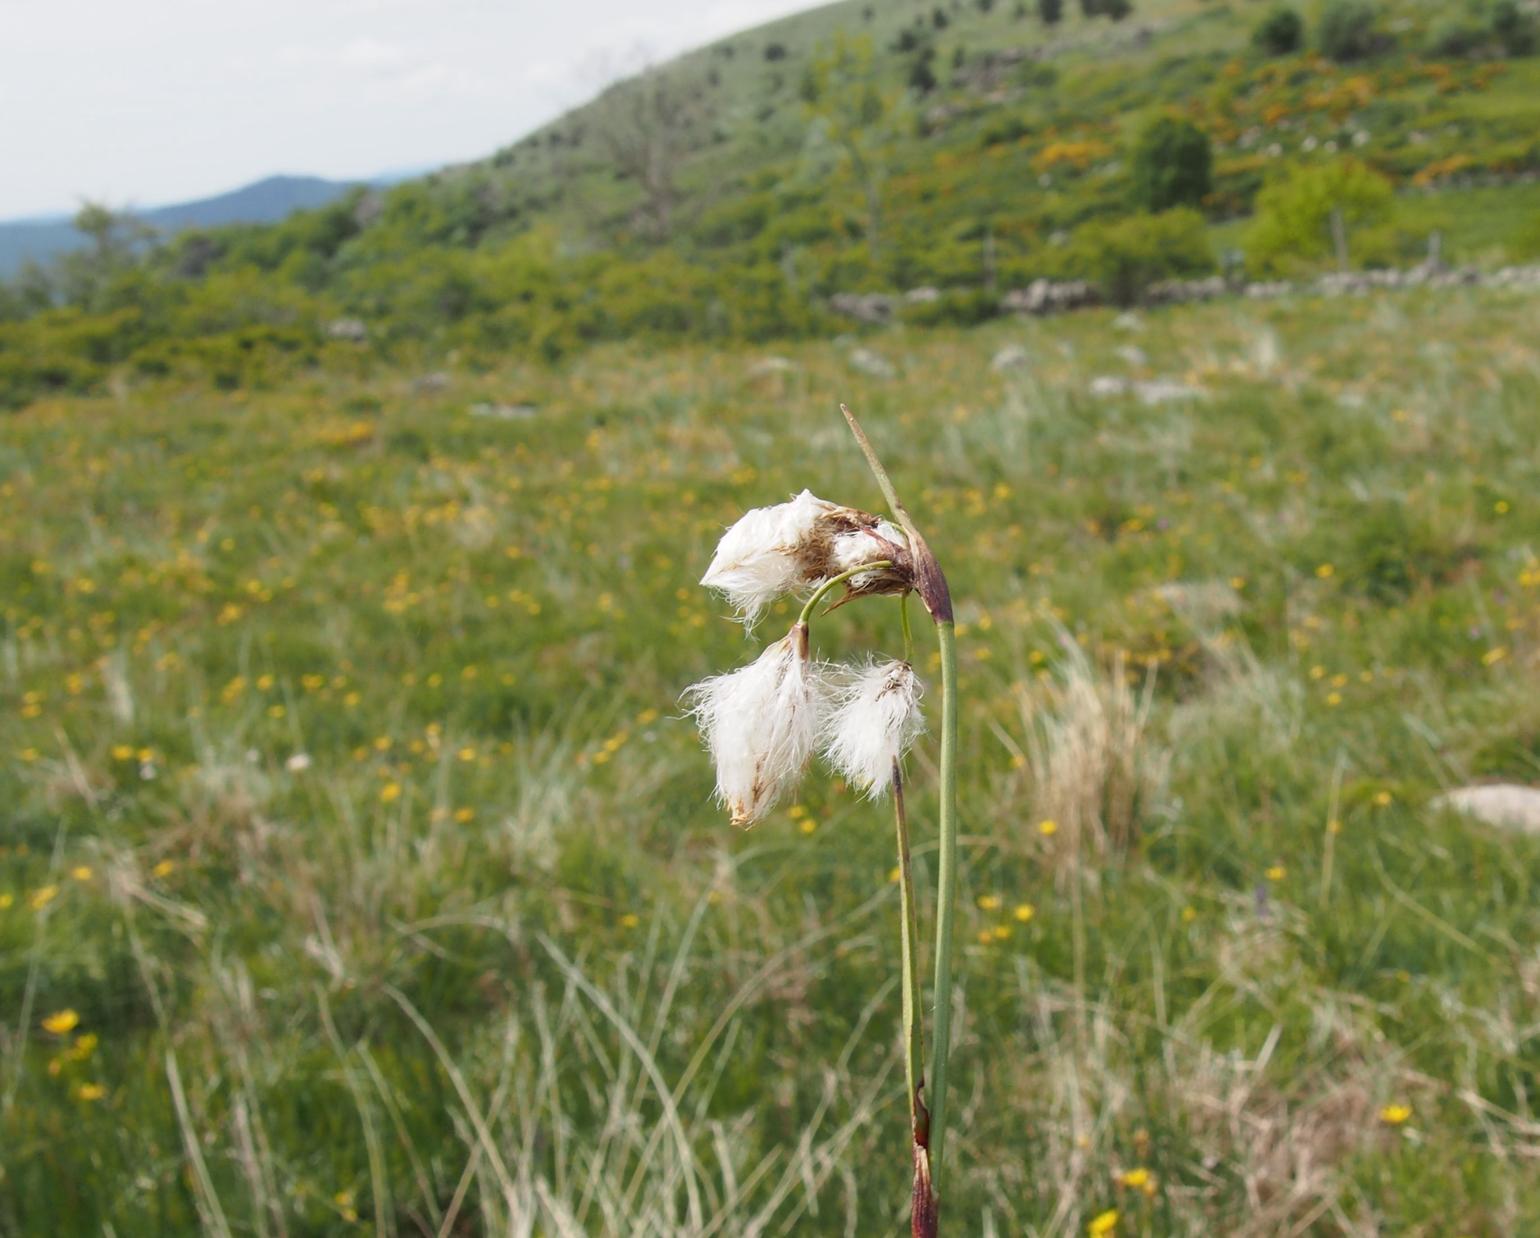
358 872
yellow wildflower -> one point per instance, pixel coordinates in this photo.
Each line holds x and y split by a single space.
1104 1224
61 1022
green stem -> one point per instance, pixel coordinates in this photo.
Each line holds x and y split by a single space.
946 898
822 591
914 1036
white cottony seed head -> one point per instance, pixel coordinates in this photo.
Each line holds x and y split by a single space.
791 548
756 560
761 724
875 720
860 546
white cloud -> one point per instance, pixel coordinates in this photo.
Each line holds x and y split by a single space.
373 54
170 99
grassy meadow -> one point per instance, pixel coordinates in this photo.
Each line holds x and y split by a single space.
359 873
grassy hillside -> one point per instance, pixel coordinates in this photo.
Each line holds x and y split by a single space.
728 195
359 873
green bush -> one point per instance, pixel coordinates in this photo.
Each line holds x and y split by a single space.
1172 165
1125 256
956 307
1293 216
1282 31
1458 37
1515 28
1347 30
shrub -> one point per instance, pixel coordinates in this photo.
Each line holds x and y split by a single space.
1172 165
1293 217
922 71
1125 256
1282 31
954 307
1347 30
1051 11
1457 38
1514 28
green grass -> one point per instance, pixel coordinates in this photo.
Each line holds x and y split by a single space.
494 963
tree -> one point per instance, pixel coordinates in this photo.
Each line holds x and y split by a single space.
1051 11
86 278
113 234
1116 10
646 125
1172 165
1282 31
1514 28
1293 222
1346 31
846 102
922 70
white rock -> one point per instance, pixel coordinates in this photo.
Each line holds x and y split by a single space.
1166 390
1504 804
1109 385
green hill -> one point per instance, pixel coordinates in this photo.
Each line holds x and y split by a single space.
969 148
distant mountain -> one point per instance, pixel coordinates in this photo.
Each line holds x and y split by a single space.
264 201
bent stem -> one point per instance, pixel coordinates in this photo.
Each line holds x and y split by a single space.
823 590
930 584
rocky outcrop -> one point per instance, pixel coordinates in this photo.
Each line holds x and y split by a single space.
1047 296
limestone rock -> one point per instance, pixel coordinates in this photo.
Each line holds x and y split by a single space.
1505 804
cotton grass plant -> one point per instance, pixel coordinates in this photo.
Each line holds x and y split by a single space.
763 723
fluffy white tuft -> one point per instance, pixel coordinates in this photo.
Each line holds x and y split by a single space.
875 720
756 560
761 724
860 546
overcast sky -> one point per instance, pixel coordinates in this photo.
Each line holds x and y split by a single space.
145 102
